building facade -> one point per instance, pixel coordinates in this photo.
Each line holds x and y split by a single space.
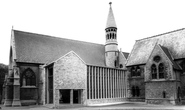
50 70
156 69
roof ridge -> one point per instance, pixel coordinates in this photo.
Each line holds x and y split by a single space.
44 35
161 34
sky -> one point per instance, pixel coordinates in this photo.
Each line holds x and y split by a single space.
85 20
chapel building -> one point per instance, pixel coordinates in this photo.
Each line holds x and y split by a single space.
50 70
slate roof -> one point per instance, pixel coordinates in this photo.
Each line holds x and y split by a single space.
125 54
166 51
174 41
37 48
110 19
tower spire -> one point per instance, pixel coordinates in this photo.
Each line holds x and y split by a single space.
110 19
111 44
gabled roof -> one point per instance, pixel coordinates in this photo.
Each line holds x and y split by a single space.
110 19
173 40
37 48
125 54
170 57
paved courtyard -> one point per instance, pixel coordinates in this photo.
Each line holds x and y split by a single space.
126 106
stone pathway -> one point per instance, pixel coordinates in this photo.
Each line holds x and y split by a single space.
126 106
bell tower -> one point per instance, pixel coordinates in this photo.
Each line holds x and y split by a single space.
111 45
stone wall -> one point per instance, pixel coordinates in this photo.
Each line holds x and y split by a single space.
70 72
156 88
154 91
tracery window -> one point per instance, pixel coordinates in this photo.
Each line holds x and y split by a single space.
154 71
28 78
158 68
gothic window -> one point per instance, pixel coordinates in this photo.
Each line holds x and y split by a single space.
154 71
138 71
161 71
28 78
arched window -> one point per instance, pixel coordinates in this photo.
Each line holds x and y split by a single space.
133 91
133 72
110 36
28 78
138 71
113 35
154 71
107 36
137 91
161 71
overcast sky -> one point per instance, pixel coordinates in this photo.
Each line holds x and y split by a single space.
85 20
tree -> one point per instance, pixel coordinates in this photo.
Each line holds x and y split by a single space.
3 72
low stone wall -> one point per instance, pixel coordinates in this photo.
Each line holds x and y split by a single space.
136 99
161 101
108 101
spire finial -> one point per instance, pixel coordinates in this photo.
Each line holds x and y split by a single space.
110 3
